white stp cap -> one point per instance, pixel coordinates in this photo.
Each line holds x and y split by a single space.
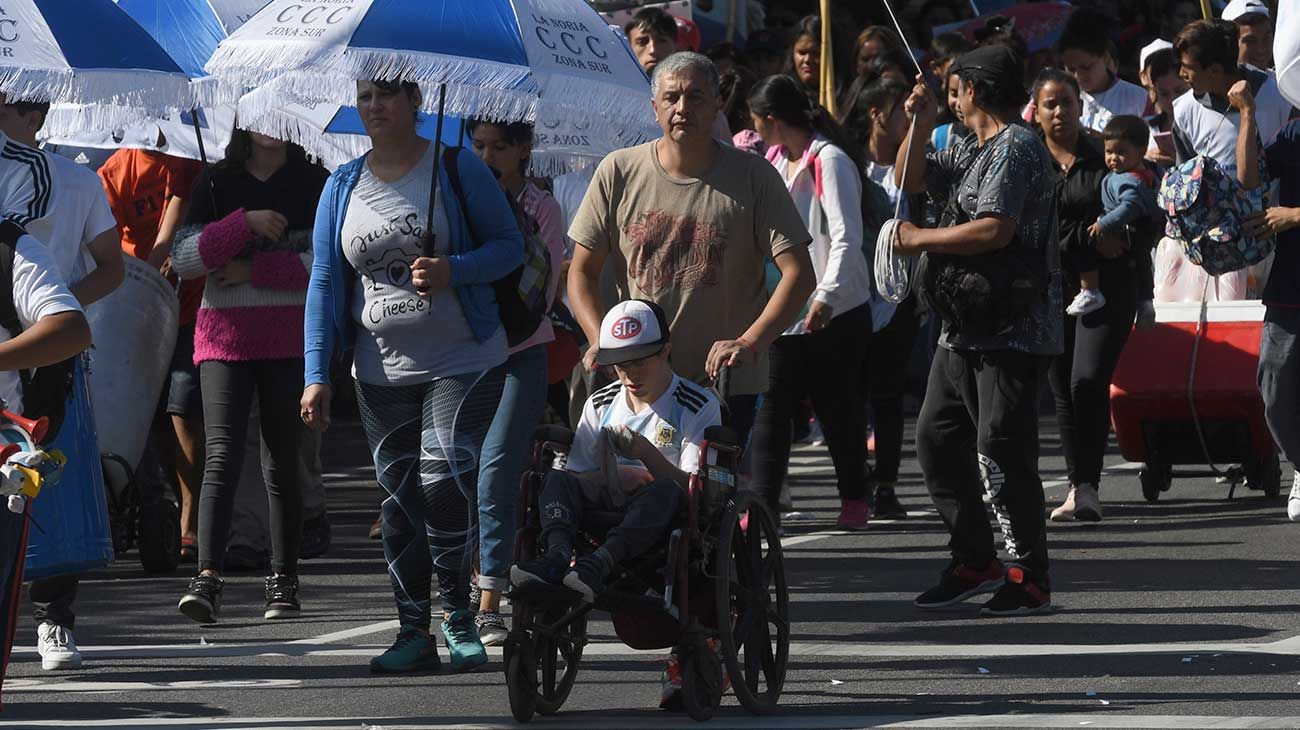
1238 8
632 330
1155 46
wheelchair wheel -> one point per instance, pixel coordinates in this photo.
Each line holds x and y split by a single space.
753 605
521 671
541 667
701 679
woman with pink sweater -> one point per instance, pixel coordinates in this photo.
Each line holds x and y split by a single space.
249 233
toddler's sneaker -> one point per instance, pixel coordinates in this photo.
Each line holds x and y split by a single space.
491 628
1085 302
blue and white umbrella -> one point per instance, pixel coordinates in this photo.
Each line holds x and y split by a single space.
498 58
334 134
87 52
189 30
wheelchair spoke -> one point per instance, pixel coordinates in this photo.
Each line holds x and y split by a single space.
774 618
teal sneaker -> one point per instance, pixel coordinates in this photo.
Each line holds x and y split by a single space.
464 646
414 651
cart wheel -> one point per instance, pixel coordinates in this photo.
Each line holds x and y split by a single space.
701 681
521 681
1155 479
1265 475
160 536
753 605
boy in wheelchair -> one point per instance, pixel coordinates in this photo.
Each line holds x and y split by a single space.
633 453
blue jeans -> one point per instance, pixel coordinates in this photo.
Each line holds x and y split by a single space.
1279 378
505 451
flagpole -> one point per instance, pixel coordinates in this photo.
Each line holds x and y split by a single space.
828 60
1206 12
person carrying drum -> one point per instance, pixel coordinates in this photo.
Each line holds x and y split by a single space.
992 271
634 451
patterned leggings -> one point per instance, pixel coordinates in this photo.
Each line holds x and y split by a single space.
426 440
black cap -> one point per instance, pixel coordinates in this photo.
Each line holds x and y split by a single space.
997 64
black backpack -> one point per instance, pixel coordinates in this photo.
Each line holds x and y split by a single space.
521 295
45 389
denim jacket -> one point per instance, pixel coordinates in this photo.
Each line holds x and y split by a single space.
329 327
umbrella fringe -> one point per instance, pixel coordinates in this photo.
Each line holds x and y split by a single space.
70 121
333 150
624 107
123 89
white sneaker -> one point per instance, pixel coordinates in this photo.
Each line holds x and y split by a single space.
1086 301
1293 502
57 647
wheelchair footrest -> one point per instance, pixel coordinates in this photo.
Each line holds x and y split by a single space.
542 593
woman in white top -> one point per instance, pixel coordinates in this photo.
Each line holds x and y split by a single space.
880 123
819 356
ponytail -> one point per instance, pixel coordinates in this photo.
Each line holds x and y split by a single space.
782 97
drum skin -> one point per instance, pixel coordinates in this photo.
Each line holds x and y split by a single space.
134 332
70 531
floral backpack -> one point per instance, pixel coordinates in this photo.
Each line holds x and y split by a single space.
1205 207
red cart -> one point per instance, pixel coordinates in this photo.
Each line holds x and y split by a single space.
1184 394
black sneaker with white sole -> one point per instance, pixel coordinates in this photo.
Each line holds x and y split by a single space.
282 597
202 602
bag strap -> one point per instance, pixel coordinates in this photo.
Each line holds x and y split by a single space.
451 163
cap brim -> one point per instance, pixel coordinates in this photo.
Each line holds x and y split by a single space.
607 358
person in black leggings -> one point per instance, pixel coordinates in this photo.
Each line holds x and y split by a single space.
1080 377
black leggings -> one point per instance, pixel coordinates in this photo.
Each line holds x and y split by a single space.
228 389
886 376
825 366
1080 377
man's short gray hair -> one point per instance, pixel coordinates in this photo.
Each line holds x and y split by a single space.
684 63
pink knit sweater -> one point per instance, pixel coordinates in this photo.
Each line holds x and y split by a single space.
258 320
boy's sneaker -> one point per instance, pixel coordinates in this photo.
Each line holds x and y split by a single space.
413 651
960 582
587 577
57 647
1293 502
1019 596
1086 302
670 690
887 506
491 628
461 636
539 570
854 514
202 602
282 597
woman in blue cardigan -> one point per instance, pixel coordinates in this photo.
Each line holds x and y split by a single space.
427 350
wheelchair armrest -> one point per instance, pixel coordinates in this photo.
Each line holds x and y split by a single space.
553 434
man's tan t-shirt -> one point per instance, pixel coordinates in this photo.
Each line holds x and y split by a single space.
697 248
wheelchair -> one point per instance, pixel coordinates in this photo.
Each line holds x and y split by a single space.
712 582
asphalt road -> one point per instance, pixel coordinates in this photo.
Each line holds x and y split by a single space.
1181 613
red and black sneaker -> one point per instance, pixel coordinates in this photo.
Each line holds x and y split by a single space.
959 582
1021 595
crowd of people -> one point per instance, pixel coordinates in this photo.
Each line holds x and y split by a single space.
736 246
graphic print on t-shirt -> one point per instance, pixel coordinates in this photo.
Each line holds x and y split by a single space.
672 251
386 269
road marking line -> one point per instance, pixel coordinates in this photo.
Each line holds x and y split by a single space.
1289 646
366 630
726 721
